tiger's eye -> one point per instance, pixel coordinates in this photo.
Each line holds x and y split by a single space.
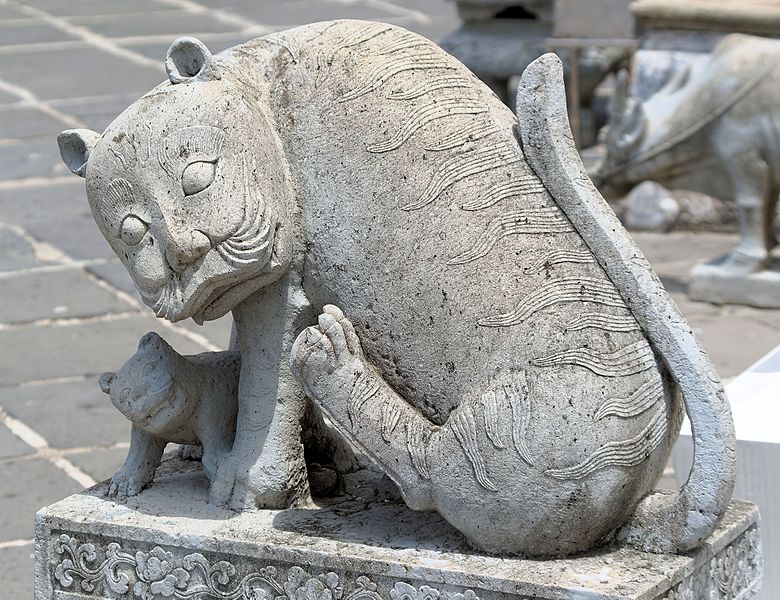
197 176
133 230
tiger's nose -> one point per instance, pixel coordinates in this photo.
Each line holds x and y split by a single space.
183 251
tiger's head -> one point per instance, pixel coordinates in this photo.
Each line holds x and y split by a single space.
190 187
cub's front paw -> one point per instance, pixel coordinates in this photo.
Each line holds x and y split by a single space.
327 357
129 482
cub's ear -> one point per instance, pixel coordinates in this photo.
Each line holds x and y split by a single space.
187 58
75 146
106 379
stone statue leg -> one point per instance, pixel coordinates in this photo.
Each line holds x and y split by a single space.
266 468
142 460
749 174
328 360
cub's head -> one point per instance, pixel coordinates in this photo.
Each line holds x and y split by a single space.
190 187
144 389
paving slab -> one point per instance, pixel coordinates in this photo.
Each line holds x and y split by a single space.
173 23
100 464
64 8
39 353
36 31
11 446
115 274
73 414
62 294
27 123
30 158
76 72
18 565
297 12
97 112
28 485
16 252
57 214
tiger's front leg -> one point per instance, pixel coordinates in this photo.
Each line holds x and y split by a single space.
329 362
266 467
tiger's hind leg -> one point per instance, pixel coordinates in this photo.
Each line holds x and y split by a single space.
328 360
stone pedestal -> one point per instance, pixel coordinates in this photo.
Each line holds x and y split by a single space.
168 543
710 284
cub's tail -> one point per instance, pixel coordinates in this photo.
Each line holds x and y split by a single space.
663 522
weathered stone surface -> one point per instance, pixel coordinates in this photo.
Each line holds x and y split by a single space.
351 547
554 341
101 463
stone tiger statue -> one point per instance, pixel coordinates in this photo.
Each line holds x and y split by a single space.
487 334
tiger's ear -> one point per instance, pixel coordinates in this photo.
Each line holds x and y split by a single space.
106 379
75 146
187 58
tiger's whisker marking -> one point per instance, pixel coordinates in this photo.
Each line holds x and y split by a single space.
626 453
634 358
527 184
526 221
635 404
582 289
606 322
464 427
471 133
393 67
465 165
423 115
432 85
417 437
558 257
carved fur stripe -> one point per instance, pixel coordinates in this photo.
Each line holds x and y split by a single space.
417 437
634 358
490 409
526 221
527 184
420 116
464 427
391 414
582 289
364 389
635 404
391 68
558 257
470 133
606 322
442 82
405 41
627 453
465 165
520 402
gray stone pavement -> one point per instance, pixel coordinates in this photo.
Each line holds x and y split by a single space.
67 308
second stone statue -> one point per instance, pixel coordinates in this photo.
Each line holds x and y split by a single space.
438 276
